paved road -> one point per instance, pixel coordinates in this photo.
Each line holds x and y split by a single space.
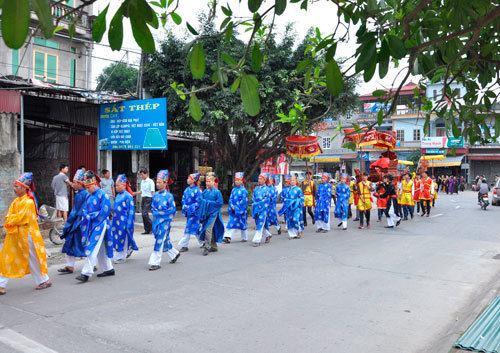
411 289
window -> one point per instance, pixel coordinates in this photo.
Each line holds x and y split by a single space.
416 135
45 66
440 131
15 61
46 43
326 142
72 49
400 135
72 72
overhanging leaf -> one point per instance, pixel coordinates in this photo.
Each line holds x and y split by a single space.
197 61
497 125
380 117
235 85
142 35
115 34
15 22
280 6
253 5
99 25
249 93
330 53
194 107
365 57
396 47
228 59
303 65
256 58
191 29
379 92
42 10
334 81
176 18
350 145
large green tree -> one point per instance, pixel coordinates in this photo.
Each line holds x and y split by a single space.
442 40
240 142
118 77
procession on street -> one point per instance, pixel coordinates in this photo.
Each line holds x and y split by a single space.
102 234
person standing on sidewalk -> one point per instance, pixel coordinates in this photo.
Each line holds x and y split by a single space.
72 232
212 227
146 192
108 185
122 223
164 210
191 202
343 206
60 184
23 251
237 209
323 204
95 230
260 210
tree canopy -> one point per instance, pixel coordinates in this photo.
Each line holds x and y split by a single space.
442 40
240 142
118 77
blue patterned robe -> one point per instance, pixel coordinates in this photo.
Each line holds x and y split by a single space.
272 214
323 202
284 195
72 233
343 193
211 203
292 208
238 204
260 206
95 217
122 224
163 207
191 202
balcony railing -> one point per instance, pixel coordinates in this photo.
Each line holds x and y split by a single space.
61 10
398 112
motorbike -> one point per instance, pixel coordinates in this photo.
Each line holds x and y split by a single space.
484 201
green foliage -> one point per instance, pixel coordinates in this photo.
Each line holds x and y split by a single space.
241 141
15 22
118 77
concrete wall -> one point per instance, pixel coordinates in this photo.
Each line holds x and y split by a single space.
10 161
488 168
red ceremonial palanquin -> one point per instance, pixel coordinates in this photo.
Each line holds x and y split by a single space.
302 146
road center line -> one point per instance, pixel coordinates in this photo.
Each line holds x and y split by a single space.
22 343
458 206
437 215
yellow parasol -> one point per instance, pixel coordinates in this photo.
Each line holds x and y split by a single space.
405 162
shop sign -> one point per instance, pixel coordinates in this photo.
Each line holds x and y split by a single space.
133 125
435 150
434 142
455 142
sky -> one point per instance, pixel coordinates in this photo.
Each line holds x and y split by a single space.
321 15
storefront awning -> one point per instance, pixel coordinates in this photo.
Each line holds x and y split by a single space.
447 162
322 158
349 156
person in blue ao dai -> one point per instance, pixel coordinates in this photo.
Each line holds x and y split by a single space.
191 202
343 193
237 209
323 204
284 193
96 239
273 199
163 207
72 233
122 224
292 207
212 227
260 208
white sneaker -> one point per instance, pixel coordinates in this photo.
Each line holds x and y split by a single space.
119 261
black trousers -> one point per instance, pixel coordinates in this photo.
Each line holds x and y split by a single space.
309 210
364 214
418 206
426 207
146 208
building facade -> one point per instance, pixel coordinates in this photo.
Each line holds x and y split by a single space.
60 60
